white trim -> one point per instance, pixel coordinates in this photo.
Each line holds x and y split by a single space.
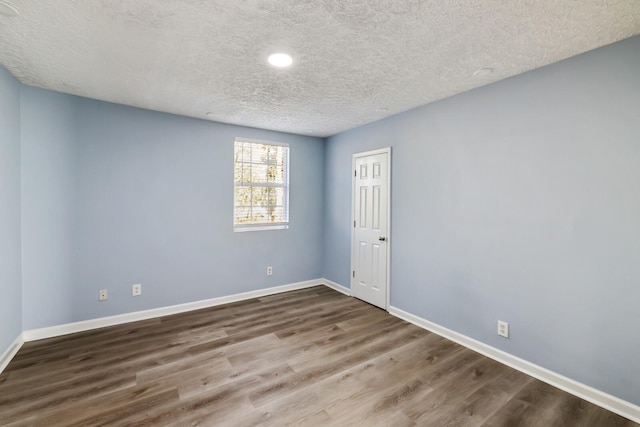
260 141
373 152
86 325
583 391
10 352
387 151
336 287
262 227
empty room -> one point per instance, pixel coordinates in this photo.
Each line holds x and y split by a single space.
325 213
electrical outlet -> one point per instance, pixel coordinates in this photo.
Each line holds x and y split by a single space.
136 290
269 271
503 329
102 295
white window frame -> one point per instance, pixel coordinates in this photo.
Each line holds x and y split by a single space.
264 225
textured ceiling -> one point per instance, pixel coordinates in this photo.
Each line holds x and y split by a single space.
355 61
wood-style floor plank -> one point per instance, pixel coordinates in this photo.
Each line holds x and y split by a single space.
308 357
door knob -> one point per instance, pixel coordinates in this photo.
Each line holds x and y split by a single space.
382 238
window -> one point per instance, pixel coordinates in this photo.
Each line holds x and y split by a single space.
261 185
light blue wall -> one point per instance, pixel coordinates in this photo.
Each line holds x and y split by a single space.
518 201
10 267
154 205
48 188
114 195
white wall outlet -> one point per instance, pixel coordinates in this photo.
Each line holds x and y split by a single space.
102 295
503 329
136 290
269 271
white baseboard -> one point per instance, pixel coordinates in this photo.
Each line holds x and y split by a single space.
69 328
11 351
336 287
583 391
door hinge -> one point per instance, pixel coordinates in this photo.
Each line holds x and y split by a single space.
355 173
353 274
354 223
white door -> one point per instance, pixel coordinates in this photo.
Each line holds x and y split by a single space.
370 237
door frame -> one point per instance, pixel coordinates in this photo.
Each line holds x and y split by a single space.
387 151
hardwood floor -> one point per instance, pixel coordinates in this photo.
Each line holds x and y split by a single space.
312 357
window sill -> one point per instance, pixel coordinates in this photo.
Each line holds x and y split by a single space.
242 229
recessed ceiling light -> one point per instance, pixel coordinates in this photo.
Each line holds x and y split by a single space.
8 10
280 60
483 72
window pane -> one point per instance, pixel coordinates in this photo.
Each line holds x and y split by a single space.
242 196
258 173
279 196
258 196
242 215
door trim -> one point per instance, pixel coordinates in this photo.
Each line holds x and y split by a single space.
387 151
